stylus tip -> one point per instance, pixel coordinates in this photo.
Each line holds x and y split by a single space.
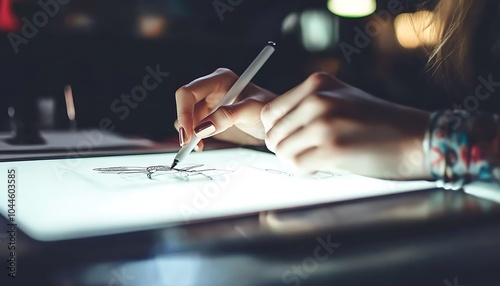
174 164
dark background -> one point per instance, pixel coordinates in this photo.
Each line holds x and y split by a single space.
105 56
433 237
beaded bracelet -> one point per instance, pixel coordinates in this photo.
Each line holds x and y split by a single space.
462 147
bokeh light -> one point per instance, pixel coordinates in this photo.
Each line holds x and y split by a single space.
352 8
319 30
414 30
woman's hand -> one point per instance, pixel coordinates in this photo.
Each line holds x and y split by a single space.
324 125
237 123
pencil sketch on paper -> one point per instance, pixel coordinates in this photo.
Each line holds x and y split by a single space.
162 170
185 173
316 176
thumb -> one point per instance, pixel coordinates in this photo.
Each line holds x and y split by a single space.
244 112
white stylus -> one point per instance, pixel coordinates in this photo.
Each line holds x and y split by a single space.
231 95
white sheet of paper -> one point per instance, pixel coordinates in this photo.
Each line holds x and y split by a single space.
62 199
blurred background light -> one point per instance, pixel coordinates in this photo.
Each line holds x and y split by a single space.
152 25
319 30
8 21
79 21
290 23
352 8
414 30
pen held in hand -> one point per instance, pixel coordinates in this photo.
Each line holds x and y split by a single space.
231 95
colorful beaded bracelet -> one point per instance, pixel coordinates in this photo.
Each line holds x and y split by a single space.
462 147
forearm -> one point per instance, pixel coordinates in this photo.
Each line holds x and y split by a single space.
463 147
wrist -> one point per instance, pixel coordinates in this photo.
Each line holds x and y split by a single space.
417 126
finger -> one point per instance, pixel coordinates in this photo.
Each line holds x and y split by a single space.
189 95
336 146
182 133
313 160
182 136
301 116
199 147
299 141
277 108
245 112
336 160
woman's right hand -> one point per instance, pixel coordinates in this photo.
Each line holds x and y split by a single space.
238 123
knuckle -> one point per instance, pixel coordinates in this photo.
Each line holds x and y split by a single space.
277 113
279 129
279 150
264 113
184 117
269 145
318 78
226 72
314 101
183 112
254 102
230 113
284 154
272 138
270 135
180 92
296 161
322 125
222 70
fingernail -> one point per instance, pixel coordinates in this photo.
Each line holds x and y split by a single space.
205 129
182 136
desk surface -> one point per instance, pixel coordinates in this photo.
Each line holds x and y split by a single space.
432 237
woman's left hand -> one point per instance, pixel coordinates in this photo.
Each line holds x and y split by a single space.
325 125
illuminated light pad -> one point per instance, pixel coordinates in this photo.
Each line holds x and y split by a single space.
63 199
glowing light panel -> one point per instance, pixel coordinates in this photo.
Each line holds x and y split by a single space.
66 198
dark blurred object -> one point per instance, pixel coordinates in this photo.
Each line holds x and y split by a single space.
25 127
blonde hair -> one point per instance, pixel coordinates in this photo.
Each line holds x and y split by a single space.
453 58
